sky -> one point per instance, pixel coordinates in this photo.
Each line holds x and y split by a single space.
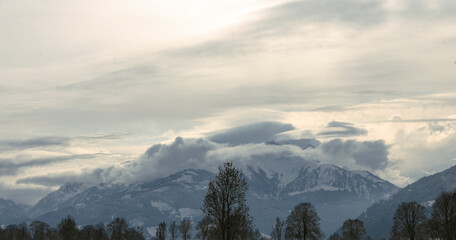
116 90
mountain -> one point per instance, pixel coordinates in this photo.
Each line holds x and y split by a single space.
276 185
52 200
10 212
378 218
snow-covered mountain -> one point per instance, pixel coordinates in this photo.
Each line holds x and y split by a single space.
378 218
10 212
276 184
52 200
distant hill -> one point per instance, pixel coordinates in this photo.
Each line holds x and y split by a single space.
378 217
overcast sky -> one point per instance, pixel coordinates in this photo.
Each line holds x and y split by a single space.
91 85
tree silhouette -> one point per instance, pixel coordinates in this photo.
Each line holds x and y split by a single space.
353 229
335 236
224 203
185 228
408 221
161 231
173 230
278 230
303 223
206 229
117 228
443 218
39 230
68 229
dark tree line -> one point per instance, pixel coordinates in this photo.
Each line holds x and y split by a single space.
410 221
67 229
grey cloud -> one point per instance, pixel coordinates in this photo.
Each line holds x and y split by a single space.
28 196
160 160
12 166
252 133
371 154
102 136
286 18
356 12
425 120
52 180
8 145
120 78
342 129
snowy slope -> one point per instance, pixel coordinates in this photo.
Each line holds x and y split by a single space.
52 200
271 193
378 217
10 212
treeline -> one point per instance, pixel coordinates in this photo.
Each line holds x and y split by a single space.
226 217
67 229
410 222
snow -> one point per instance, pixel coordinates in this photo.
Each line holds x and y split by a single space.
317 188
428 203
162 189
162 206
185 179
152 230
189 213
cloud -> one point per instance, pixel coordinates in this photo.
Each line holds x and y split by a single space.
53 180
23 195
8 145
253 133
370 154
9 167
361 13
160 160
342 129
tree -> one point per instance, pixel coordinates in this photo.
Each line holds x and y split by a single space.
335 236
173 230
160 233
39 230
278 230
303 223
134 233
100 232
53 234
442 223
117 228
206 229
408 221
87 233
224 203
67 228
353 229
185 228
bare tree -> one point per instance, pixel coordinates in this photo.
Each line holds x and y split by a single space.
353 229
409 220
278 230
335 236
39 230
117 228
224 203
206 229
173 230
303 223
185 228
443 217
161 231
68 229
